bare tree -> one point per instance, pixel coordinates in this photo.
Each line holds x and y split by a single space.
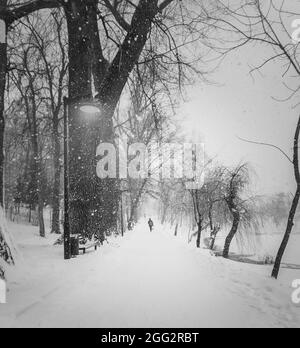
104 60
50 42
294 206
200 213
236 181
209 205
143 18
266 23
147 121
216 210
27 75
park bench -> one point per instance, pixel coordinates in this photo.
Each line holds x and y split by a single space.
85 245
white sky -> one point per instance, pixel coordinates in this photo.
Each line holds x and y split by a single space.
243 106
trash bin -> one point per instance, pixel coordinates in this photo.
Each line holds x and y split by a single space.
74 246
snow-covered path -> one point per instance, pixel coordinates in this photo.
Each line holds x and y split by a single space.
147 280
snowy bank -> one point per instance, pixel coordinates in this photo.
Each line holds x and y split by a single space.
143 280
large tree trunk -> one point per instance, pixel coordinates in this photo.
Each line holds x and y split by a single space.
3 70
93 202
231 235
56 184
5 252
294 206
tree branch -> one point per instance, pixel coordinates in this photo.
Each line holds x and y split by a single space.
18 12
269 145
164 4
129 52
296 153
121 21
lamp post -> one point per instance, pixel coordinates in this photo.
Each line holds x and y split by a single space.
67 233
122 216
86 107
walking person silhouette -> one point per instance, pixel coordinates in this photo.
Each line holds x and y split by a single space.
151 224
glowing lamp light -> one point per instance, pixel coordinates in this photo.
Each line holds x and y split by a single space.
90 109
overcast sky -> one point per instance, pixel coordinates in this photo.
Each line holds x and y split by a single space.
243 107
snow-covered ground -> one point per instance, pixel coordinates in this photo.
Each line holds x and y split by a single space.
143 280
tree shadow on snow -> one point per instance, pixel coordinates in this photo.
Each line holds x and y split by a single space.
290 266
249 259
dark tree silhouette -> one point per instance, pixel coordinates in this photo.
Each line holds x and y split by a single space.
236 181
92 200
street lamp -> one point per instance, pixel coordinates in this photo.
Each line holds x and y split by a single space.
88 108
